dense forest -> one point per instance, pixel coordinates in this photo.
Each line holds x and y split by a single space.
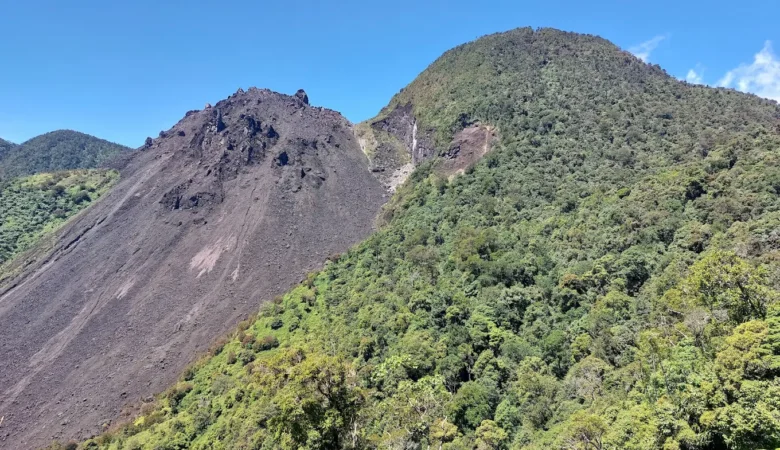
58 150
605 278
34 205
5 146
38 193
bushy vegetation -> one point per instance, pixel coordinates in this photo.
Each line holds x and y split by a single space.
58 150
605 278
35 205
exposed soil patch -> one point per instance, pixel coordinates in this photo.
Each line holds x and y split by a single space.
468 146
395 145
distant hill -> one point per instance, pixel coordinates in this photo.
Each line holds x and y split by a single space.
5 146
57 150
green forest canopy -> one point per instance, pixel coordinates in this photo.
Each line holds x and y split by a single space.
58 150
5 146
606 277
34 205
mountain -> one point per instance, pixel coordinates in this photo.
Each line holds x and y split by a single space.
581 252
57 150
5 146
229 208
598 270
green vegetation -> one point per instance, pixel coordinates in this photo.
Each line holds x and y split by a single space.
58 150
370 139
606 278
5 146
35 205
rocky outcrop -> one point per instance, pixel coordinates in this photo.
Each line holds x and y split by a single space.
401 124
301 95
230 207
396 144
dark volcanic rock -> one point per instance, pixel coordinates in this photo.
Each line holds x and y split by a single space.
396 144
232 206
301 94
401 124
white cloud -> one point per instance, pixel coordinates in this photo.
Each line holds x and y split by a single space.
762 77
694 77
643 50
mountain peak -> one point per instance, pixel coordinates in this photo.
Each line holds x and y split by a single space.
543 83
57 150
228 208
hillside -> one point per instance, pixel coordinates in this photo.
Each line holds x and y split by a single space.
606 276
34 205
57 150
232 206
5 146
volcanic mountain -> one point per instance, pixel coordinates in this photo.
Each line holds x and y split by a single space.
230 207
581 252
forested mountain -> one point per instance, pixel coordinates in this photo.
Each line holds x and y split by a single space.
5 146
605 277
57 150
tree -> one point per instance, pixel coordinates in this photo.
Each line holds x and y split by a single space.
442 431
490 436
586 378
471 405
585 432
723 281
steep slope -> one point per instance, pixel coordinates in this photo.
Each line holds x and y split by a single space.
605 277
230 207
57 150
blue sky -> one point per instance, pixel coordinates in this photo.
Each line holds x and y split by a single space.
126 70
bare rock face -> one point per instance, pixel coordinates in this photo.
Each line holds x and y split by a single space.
401 123
233 205
396 144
